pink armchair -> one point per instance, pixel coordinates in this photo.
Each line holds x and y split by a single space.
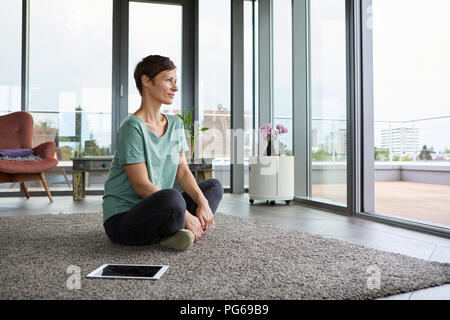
16 132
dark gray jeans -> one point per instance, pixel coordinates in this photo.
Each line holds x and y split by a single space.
159 215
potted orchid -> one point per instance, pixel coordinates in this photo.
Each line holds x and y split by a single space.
271 136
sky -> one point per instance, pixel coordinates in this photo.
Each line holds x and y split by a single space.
412 66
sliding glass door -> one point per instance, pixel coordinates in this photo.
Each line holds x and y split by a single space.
143 28
411 111
154 29
328 102
214 85
282 71
322 93
370 109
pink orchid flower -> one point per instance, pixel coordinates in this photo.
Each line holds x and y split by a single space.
282 129
268 132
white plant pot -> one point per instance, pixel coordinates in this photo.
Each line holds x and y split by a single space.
271 178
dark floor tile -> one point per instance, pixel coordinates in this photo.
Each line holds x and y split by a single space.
441 254
403 296
436 293
407 233
40 205
390 243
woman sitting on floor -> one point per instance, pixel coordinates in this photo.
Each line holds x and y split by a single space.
140 206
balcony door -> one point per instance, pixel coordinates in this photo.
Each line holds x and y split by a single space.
154 29
411 156
322 99
328 102
163 27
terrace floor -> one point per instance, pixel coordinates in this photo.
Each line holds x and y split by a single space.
412 200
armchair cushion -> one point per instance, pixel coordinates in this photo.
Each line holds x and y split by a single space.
29 158
15 153
27 166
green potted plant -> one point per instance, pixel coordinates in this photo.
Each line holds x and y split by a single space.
199 167
189 129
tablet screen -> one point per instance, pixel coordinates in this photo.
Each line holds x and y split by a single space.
130 271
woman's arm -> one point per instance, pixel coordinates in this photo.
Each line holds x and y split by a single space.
187 182
138 175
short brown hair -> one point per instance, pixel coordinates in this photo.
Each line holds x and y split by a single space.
151 66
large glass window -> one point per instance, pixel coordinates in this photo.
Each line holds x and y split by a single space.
214 84
10 55
70 79
328 103
146 22
282 71
411 109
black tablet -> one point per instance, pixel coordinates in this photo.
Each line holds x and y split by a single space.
129 271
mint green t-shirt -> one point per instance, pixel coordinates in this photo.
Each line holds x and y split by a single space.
136 143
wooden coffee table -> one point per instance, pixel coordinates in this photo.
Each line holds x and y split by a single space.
81 165
202 170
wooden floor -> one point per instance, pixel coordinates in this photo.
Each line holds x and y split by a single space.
293 216
412 200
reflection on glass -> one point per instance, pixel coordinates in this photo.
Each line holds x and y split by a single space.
154 29
10 55
214 84
70 78
328 102
282 71
412 110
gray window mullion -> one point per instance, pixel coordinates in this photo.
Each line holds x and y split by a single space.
353 45
237 97
190 57
24 91
265 63
120 67
300 96
367 110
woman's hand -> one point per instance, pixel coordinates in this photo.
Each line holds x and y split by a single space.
193 224
204 215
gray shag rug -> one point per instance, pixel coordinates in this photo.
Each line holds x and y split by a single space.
239 259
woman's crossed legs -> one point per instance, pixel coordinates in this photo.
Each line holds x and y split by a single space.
159 215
